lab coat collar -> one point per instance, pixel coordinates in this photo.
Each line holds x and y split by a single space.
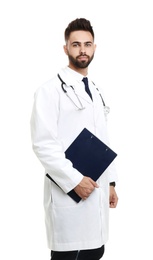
73 78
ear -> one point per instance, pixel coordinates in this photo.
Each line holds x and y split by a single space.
65 49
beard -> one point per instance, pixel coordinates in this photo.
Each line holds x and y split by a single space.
80 64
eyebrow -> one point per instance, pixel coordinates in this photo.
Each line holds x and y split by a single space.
80 42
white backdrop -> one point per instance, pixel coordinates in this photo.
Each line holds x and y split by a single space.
31 52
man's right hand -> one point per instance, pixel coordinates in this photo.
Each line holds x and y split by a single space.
85 187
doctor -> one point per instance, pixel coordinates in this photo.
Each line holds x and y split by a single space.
62 108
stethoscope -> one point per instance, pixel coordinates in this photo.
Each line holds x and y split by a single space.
81 107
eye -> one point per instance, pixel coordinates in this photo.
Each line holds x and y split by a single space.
76 44
88 44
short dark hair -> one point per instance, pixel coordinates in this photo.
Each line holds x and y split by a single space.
79 24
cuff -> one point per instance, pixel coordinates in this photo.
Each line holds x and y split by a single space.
112 184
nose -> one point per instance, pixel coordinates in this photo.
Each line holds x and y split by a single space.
82 50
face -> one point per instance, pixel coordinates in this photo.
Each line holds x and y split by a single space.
80 49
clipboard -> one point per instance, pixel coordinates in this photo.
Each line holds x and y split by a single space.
90 156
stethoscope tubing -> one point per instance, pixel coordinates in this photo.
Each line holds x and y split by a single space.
82 107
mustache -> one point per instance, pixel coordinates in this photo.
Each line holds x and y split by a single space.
82 55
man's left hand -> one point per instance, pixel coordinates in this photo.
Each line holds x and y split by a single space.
113 199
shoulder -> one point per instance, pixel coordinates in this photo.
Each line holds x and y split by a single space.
53 84
48 86
49 89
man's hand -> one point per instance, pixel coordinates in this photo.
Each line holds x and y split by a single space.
85 187
113 199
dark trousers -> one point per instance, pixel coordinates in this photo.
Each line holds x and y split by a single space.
91 254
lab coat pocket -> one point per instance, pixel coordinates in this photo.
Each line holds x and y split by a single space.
73 224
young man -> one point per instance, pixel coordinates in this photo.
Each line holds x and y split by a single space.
62 109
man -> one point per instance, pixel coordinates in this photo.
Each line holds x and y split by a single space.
62 109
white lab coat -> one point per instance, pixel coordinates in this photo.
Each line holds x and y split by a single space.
55 123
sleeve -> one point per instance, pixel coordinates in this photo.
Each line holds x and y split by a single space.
112 172
113 177
45 142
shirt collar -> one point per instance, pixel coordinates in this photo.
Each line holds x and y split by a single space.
78 77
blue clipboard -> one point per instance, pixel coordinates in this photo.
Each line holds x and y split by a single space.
90 156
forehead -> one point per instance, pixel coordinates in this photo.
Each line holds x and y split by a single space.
80 36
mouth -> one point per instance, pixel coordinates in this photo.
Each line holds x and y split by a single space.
82 58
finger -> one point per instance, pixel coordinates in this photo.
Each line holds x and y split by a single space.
94 183
85 198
